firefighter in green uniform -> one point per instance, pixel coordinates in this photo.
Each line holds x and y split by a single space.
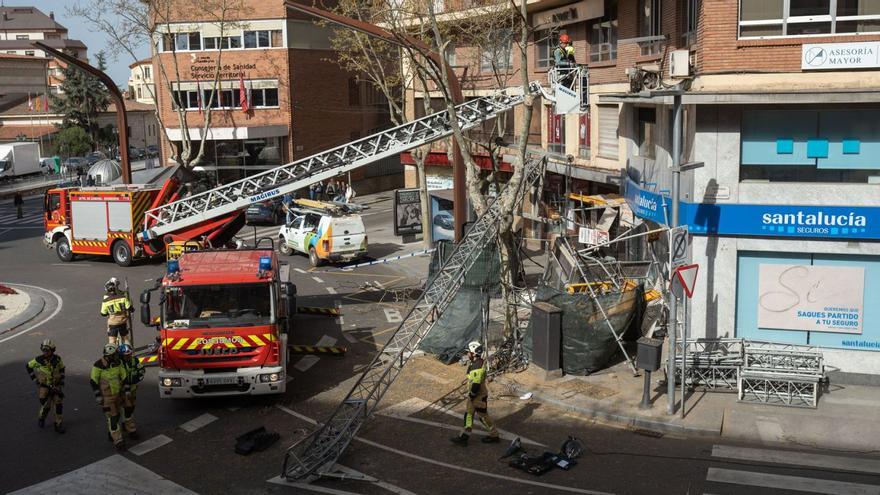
108 382
478 398
134 373
47 371
116 306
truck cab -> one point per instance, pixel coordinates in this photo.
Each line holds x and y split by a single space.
223 323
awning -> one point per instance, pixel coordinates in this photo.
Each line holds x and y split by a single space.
746 98
440 158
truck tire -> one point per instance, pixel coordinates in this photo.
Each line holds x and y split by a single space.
121 253
314 260
283 248
62 249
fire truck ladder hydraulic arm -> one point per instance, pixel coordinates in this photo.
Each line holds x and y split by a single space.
296 175
316 453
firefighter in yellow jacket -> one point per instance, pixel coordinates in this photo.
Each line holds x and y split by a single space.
117 307
47 371
478 398
134 373
108 381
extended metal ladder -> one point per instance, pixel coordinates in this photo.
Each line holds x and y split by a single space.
316 453
301 173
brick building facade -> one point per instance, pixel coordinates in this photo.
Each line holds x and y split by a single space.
299 98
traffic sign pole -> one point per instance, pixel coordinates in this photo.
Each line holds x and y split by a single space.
673 302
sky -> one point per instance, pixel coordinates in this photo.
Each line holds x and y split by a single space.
79 29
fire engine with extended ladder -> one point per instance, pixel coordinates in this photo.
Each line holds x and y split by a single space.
214 212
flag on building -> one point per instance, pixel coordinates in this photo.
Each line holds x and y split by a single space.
45 103
199 97
30 103
243 96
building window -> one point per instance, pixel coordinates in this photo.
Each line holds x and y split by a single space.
584 135
647 132
224 43
29 53
228 98
690 10
555 132
649 26
263 39
603 35
608 141
139 94
499 56
22 37
545 43
187 41
767 18
148 73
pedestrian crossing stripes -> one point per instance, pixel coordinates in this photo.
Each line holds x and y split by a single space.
816 463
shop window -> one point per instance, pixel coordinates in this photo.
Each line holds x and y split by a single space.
649 26
647 132
608 140
584 135
499 55
810 146
555 132
769 18
603 35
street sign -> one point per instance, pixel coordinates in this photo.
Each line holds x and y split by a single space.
678 246
685 276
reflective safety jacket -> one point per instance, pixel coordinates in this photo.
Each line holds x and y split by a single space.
476 374
48 372
116 307
564 57
108 379
134 371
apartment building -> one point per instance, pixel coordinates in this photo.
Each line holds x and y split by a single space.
300 101
780 104
21 26
141 86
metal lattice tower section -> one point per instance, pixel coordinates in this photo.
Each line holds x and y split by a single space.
296 175
318 452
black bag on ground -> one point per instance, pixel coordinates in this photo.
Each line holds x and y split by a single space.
536 465
255 441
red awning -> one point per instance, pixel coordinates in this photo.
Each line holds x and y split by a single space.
440 158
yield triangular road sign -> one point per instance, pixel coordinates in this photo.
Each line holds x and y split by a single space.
686 276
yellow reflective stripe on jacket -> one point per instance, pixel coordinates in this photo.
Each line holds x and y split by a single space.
47 373
114 305
476 375
109 378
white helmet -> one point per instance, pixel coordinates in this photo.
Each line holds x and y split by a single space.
475 348
110 349
112 284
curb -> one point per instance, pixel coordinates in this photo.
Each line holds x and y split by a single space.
33 310
617 417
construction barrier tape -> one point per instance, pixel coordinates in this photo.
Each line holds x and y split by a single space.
389 260
313 349
310 310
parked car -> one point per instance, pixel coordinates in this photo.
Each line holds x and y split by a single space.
152 150
266 212
94 157
136 153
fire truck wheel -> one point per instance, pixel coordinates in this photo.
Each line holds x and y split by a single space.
62 249
314 260
283 247
121 253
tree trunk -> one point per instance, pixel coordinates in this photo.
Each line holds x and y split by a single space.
424 199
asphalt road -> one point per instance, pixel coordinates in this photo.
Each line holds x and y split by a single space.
405 447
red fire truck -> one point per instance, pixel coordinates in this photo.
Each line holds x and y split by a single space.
106 221
223 322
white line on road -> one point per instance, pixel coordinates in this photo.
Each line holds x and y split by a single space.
795 483
149 445
863 465
28 329
451 466
306 362
318 279
331 290
393 315
349 337
76 265
300 270
196 423
278 480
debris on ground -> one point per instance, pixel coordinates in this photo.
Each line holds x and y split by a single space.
256 440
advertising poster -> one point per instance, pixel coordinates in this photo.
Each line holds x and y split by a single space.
811 298
407 212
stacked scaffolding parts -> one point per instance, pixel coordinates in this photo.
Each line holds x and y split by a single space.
316 453
763 372
296 175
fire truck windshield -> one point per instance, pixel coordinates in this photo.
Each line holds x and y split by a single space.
201 306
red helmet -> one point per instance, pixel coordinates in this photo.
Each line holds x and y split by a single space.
564 38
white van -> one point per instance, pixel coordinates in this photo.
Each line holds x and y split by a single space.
324 236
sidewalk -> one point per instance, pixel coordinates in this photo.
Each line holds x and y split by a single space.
18 309
613 395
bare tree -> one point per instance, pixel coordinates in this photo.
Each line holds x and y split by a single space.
131 25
